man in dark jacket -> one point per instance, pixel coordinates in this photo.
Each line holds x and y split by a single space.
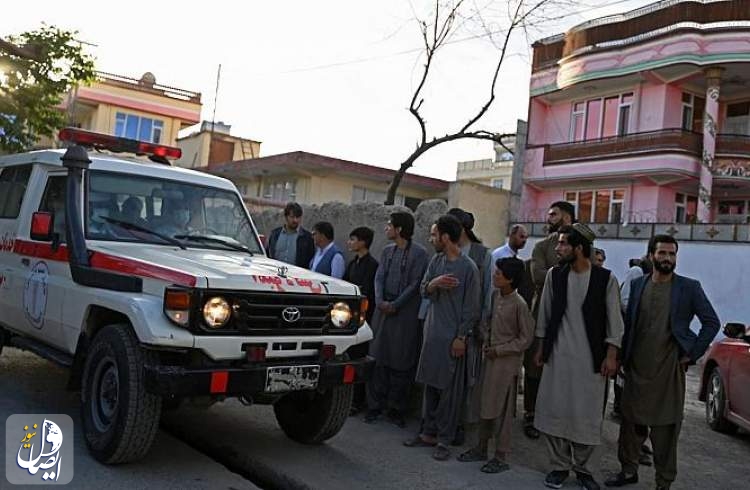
291 243
657 348
361 271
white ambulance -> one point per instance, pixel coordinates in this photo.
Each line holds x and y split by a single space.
150 283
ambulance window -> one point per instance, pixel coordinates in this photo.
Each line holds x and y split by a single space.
53 201
13 183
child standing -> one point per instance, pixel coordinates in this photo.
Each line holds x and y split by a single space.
508 335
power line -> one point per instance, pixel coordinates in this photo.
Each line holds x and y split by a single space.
455 41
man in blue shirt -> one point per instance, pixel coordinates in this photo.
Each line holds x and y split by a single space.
328 258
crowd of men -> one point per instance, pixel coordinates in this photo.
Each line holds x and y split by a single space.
463 322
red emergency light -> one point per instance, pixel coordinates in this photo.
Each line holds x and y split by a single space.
116 144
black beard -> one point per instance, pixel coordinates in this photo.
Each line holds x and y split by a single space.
553 228
664 267
567 260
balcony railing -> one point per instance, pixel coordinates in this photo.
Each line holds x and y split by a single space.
665 140
733 145
704 232
155 88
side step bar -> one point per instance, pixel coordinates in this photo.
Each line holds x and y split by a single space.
42 350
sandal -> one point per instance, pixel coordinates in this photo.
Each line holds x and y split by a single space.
419 442
441 453
531 432
473 454
495 466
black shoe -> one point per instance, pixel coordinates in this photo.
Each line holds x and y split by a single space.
555 479
396 418
587 481
621 479
371 416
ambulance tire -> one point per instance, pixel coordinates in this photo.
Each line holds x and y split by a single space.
312 417
120 419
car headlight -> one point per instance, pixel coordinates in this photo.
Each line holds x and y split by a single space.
341 315
216 312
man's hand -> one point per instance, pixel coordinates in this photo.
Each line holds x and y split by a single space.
685 362
387 307
489 352
538 358
609 365
458 347
445 281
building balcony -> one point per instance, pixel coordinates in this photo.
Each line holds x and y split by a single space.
650 142
733 145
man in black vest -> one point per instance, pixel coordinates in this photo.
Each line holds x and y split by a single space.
579 330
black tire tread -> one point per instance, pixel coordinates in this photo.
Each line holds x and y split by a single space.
143 412
335 405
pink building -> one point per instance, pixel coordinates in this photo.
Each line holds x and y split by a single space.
644 117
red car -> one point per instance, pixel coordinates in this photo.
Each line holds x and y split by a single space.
725 383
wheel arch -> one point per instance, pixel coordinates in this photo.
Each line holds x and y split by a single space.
96 318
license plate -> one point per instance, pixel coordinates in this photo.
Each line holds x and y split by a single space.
292 378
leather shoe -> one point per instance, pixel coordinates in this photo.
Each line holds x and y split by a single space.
620 480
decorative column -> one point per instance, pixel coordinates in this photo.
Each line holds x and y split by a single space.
710 128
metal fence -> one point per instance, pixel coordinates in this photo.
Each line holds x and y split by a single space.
704 232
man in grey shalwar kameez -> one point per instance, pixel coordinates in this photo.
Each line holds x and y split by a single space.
580 326
397 332
472 247
452 284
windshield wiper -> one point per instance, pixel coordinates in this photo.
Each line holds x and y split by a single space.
210 239
132 226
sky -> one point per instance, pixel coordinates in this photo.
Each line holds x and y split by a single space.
333 77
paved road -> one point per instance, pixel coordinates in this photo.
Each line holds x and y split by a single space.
247 440
29 384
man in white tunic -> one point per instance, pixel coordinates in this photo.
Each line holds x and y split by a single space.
580 328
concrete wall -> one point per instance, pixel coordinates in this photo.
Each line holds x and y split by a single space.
490 207
722 269
346 217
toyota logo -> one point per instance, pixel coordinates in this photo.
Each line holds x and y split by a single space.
291 314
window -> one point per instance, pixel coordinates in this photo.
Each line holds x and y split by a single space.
578 122
601 117
138 128
360 194
13 183
170 208
280 190
733 211
738 119
53 202
600 206
692 112
686 208
497 183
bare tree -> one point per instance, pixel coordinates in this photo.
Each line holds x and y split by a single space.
446 18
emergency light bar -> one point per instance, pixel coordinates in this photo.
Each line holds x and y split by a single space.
116 144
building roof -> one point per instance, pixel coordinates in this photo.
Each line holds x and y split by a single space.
305 162
651 21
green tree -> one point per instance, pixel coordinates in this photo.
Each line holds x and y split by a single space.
33 82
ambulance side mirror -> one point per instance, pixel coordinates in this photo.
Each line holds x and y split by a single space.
42 226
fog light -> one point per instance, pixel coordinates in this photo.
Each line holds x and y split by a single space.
216 312
341 315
